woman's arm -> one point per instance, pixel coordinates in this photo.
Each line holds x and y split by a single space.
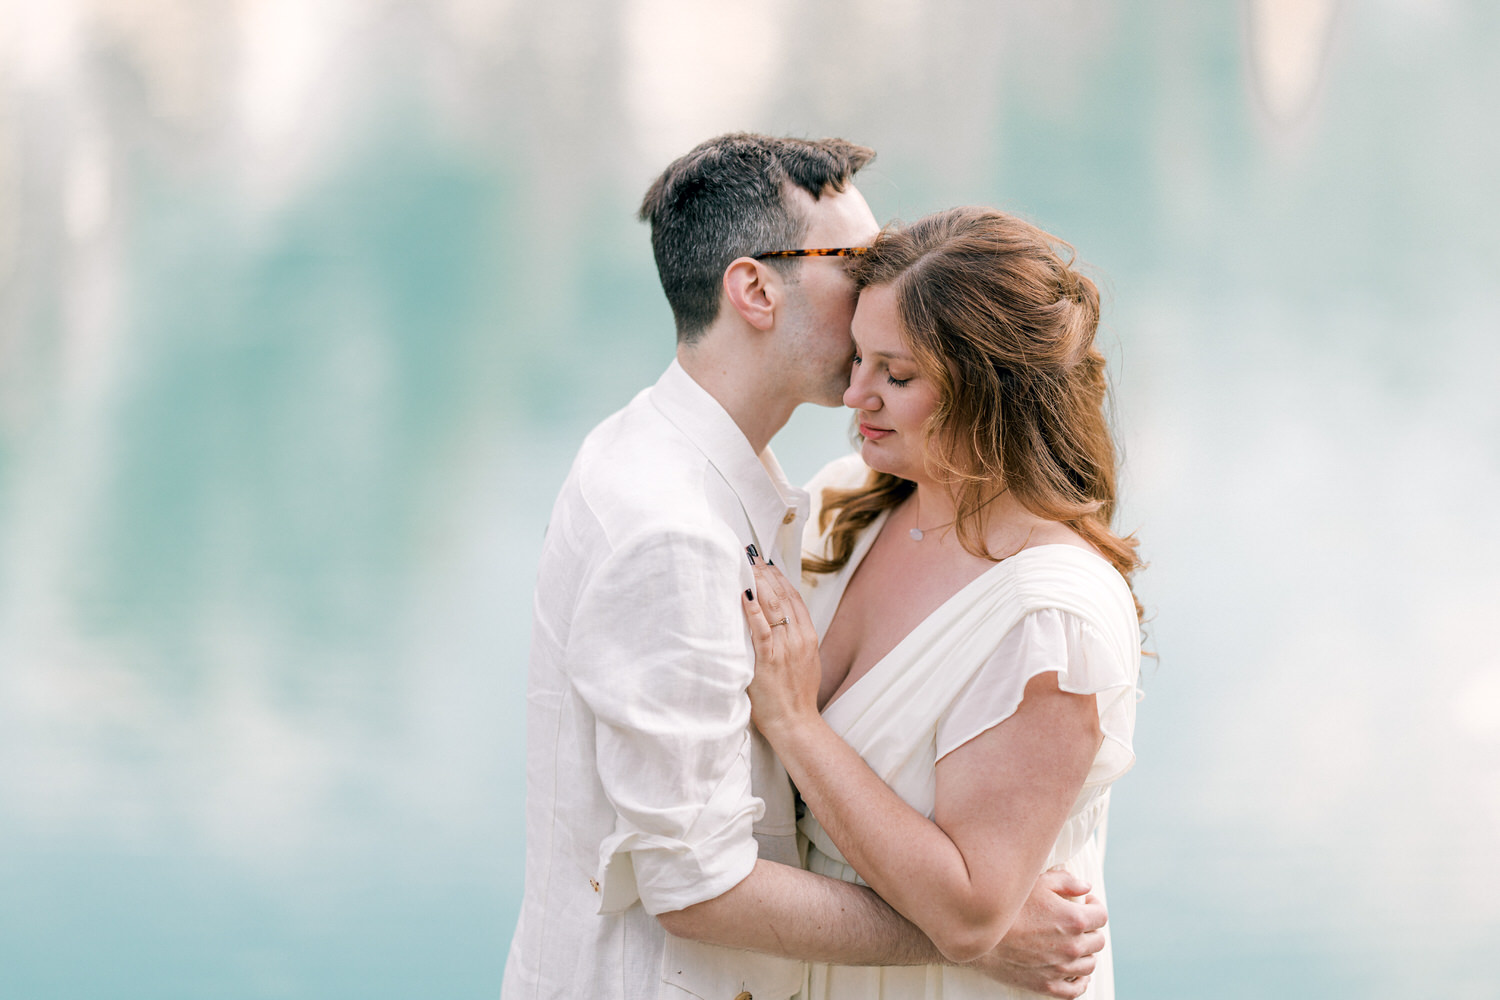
1001 801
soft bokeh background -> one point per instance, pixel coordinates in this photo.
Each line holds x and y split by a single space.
304 307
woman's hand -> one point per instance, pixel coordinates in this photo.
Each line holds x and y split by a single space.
787 668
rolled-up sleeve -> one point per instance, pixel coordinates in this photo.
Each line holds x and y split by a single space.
660 658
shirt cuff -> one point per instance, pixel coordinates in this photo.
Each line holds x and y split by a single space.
671 869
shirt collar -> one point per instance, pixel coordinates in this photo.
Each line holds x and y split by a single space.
769 500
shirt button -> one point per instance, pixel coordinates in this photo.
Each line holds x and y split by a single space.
791 515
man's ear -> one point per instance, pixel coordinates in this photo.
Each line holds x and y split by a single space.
754 291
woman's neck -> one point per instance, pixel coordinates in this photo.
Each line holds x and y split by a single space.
934 505
1004 523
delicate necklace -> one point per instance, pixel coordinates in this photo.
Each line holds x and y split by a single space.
917 533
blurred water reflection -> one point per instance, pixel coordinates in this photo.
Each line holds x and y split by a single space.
304 309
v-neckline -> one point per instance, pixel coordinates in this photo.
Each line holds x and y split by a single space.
857 559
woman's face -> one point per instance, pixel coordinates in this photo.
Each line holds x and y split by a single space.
890 394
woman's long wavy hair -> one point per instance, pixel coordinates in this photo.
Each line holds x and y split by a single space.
1003 324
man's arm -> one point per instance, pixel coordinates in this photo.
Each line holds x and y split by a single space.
797 914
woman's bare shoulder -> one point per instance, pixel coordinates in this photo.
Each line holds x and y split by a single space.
1057 533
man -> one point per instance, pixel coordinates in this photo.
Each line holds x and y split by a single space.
652 805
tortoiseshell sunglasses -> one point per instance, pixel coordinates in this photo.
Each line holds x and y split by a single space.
825 252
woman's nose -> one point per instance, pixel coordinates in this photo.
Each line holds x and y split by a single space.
858 395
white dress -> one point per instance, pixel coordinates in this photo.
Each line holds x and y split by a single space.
961 671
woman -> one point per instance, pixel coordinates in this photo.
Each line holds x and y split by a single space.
973 696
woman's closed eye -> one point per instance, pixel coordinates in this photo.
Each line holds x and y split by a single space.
893 380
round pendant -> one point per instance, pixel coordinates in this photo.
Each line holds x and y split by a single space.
916 534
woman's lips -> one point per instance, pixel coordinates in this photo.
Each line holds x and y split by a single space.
872 433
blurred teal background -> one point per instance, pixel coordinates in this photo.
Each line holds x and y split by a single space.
304 308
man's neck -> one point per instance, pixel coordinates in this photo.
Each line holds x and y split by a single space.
740 385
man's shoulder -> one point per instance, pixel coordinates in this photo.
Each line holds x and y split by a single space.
638 464
638 476
639 434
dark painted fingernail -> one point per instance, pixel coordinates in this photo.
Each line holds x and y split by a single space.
770 562
751 553
749 596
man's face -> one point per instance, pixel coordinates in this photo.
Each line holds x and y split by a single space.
820 302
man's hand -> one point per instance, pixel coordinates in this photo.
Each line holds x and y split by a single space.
1050 948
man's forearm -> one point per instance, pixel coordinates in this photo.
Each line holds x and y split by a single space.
796 914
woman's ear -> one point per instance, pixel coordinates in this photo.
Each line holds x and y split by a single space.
754 291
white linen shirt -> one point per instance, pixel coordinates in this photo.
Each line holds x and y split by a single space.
647 790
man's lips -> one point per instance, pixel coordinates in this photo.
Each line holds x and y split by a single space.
873 433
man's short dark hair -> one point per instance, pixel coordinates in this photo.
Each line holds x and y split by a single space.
727 199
